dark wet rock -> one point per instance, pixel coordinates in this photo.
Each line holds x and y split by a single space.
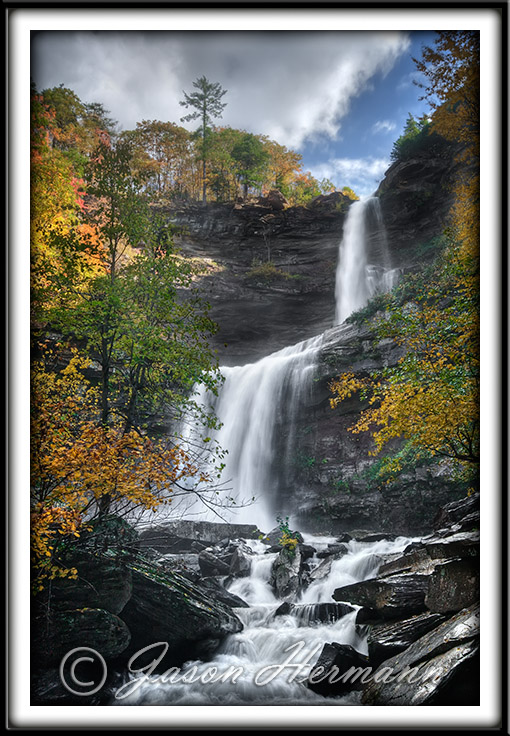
392 597
453 585
47 687
185 563
273 537
338 670
338 550
227 557
214 586
63 631
321 571
309 613
166 607
367 615
345 537
284 609
374 536
307 551
103 582
210 563
274 548
184 535
462 544
456 511
286 573
240 563
446 662
387 639
410 560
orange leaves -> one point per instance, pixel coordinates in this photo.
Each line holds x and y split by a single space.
76 463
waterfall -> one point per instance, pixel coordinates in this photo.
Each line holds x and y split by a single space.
255 400
357 280
257 407
257 404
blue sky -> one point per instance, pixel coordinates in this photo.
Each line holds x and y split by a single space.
339 98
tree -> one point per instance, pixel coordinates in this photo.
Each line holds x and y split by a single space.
430 399
412 139
249 159
142 331
282 166
208 105
76 463
162 157
452 88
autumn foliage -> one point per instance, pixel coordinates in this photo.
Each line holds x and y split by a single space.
430 398
132 336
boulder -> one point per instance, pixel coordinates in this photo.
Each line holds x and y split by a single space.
374 536
391 597
307 551
103 582
456 511
62 631
286 572
461 544
240 563
444 664
166 607
410 561
345 537
274 199
211 563
338 550
321 571
185 535
453 585
331 675
328 203
273 537
387 639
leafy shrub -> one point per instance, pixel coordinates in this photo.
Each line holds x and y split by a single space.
266 272
288 539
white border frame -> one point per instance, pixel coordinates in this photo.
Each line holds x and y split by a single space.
20 23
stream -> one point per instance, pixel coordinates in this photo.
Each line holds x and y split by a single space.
269 660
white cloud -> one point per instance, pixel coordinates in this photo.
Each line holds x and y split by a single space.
294 87
361 174
383 126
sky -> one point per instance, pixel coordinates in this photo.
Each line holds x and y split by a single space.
340 99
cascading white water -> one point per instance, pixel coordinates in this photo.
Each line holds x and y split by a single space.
253 400
273 654
357 280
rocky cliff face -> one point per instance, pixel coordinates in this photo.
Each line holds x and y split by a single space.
270 280
261 308
329 477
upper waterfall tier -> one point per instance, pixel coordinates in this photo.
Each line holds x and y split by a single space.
357 280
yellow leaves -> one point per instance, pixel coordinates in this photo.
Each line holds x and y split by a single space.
344 387
76 462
